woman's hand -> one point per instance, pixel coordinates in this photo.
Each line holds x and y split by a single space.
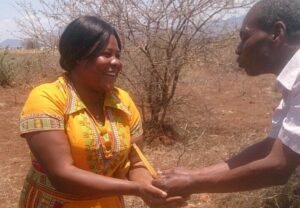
152 196
156 198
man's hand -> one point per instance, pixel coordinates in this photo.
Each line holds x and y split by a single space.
176 182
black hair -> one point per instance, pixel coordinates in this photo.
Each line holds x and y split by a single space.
287 11
83 39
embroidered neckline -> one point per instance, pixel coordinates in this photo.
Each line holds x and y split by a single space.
76 104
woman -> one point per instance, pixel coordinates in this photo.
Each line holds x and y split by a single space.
80 128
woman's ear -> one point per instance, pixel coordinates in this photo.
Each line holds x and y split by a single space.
80 62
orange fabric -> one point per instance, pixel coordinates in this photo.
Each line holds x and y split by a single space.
56 106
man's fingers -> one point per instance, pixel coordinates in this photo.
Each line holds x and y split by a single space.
159 172
158 183
166 172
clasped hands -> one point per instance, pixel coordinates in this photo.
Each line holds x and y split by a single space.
170 189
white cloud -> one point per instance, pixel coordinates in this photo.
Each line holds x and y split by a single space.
8 29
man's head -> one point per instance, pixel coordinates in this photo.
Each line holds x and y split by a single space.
270 35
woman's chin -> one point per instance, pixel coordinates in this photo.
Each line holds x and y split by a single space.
107 88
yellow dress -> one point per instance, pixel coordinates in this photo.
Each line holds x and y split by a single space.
56 106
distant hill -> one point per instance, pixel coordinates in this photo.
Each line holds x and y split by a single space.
220 27
11 43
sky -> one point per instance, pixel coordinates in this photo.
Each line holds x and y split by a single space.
8 14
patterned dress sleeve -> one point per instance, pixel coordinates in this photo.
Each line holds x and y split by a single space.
135 123
43 110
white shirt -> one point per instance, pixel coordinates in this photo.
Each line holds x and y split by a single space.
286 118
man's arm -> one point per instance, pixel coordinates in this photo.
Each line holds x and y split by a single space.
263 164
254 152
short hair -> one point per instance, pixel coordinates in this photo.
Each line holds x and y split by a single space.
287 11
83 39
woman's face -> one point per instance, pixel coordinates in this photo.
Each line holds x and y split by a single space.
100 74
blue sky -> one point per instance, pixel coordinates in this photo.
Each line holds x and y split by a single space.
8 14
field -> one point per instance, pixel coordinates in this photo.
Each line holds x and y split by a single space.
223 111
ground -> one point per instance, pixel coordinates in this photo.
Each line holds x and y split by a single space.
223 112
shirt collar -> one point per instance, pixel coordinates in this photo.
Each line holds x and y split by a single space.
75 104
113 100
290 72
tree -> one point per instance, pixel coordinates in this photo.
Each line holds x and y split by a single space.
159 38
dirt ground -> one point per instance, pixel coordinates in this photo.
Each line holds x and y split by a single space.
222 113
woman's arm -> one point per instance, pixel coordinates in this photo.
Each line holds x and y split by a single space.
52 150
138 172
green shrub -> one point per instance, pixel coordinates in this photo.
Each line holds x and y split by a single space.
6 72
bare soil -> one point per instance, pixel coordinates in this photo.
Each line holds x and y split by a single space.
219 114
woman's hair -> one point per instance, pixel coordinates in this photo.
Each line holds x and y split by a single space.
83 39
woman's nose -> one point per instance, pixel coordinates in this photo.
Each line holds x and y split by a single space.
115 61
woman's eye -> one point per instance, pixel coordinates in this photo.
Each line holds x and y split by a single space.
105 54
109 54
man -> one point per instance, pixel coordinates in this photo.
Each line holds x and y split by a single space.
270 43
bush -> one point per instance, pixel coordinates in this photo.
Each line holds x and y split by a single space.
29 67
6 72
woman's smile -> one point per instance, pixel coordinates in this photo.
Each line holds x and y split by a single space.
111 73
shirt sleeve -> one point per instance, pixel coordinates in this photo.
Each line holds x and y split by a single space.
277 119
43 110
289 130
135 123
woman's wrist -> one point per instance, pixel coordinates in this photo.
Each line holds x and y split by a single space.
141 175
136 188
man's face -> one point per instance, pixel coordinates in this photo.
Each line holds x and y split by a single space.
255 48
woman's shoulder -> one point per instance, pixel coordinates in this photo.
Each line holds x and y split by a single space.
48 94
123 95
51 89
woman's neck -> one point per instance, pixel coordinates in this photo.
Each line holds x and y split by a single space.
87 95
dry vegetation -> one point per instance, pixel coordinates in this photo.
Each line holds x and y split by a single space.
217 112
